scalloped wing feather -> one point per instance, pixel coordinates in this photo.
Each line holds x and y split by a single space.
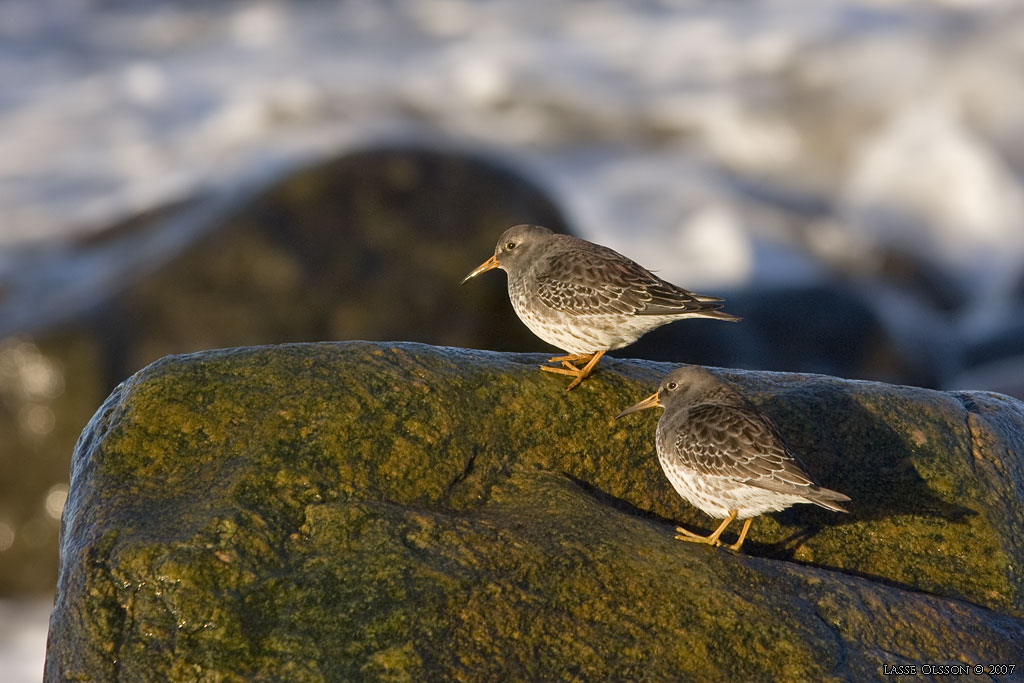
594 280
741 444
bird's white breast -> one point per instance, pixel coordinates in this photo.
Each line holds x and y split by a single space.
580 333
716 496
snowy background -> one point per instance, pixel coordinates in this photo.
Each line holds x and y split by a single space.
727 144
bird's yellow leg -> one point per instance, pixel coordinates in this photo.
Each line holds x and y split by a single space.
689 534
710 539
572 358
561 371
743 534
586 370
568 367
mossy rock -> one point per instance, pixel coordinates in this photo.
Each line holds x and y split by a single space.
405 512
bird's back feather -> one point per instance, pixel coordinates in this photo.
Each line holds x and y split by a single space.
582 278
737 442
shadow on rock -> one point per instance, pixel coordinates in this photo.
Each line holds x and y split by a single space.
859 453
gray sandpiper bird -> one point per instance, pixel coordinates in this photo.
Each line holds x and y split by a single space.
586 299
724 456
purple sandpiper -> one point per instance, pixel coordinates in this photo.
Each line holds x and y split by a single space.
587 299
725 456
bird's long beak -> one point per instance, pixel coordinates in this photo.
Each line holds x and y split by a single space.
489 264
649 402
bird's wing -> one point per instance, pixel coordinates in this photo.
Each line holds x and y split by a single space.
739 443
598 281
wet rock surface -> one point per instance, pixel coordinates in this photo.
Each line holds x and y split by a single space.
401 511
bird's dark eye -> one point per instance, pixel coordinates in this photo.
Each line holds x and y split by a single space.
670 386
510 246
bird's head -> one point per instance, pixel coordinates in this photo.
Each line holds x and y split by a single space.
683 386
516 245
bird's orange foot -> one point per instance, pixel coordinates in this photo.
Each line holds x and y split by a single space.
574 372
712 538
691 537
571 358
569 368
743 534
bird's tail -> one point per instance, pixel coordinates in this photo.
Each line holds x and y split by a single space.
827 498
720 315
713 303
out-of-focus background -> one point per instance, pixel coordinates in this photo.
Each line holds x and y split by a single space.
186 175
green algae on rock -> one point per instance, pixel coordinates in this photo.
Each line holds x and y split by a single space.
406 512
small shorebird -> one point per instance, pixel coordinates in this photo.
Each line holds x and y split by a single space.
587 299
724 456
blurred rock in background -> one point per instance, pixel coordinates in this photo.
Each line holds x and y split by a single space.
370 246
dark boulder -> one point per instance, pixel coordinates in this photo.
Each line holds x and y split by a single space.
406 512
